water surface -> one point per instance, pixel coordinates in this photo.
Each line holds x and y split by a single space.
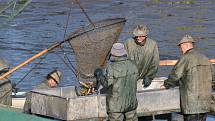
43 23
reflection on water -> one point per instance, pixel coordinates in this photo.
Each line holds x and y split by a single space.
43 23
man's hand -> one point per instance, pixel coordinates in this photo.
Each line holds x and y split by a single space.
98 73
146 82
166 85
162 86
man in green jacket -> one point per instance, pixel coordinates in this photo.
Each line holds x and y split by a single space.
52 81
121 84
5 85
144 52
194 74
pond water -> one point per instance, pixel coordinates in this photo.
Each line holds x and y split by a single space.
43 23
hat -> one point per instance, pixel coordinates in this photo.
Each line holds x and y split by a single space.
118 49
56 75
186 39
141 30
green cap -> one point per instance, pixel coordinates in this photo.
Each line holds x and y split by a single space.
186 39
141 30
56 75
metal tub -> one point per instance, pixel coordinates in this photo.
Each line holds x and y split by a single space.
158 101
62 103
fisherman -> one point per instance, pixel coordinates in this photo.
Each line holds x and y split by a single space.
193 73
144 51
120 81
5 84
52 81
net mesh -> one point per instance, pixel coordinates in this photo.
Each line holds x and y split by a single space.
92 45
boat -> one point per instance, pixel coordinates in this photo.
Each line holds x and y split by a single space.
58 103
15 114
18 100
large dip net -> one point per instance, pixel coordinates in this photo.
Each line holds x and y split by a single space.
92 45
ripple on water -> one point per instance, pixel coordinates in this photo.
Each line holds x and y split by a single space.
43 23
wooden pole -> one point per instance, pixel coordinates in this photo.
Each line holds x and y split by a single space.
167 62
31 59
173 62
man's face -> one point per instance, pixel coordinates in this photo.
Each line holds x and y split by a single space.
181 48
184 47
52 83
141 38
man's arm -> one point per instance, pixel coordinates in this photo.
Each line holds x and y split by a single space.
176 73
105 80
150 75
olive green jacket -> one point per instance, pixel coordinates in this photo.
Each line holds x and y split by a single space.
146 57
5 92
43 85
121 83
194 74
5 85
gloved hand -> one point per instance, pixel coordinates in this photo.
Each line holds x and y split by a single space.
98 73
146 82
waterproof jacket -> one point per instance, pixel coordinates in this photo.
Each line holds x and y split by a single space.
5 87
43 85
121 83
194 74
146 57
5 92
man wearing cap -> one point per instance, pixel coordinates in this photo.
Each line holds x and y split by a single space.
52 81
144 51
194 74
5 85
120 81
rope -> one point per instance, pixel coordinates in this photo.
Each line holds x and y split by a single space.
72 68
14 12
85 13
9 5
67 21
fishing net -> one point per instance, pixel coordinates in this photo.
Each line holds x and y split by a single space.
92 45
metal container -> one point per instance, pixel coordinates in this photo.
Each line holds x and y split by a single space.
63 103
158 101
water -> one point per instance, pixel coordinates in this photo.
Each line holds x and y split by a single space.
43 23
